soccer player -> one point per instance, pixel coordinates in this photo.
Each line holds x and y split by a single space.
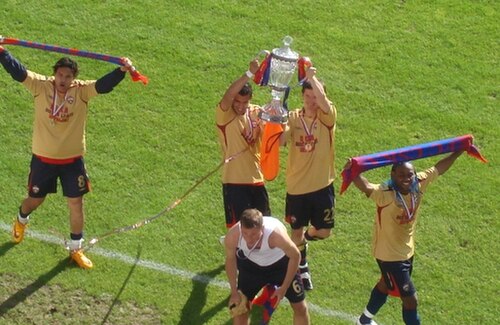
310 171
398 202
58 143
239 132
259 252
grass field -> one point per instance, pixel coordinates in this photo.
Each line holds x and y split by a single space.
399 73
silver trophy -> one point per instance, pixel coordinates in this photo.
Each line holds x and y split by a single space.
282 67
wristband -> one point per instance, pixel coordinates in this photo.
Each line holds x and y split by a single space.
249 74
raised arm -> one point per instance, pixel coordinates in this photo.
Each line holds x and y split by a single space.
106 83
235 87
360 181
319 91
444 164
12 65
364 186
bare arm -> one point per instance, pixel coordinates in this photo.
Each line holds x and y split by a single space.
230 244
444 164
283 136
235 87
319 91
279 238
361 182
364 186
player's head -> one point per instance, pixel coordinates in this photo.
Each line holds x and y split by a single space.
308 95
251 226
306 85
251 218
67 63
242 99
403 176
65 71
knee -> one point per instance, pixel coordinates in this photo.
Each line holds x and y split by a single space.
300 308
317 234
297 236
75 201
410 302
30 204
324 234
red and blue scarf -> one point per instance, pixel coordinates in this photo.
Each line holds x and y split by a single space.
363 163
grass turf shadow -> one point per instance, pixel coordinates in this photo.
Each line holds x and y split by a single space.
22 294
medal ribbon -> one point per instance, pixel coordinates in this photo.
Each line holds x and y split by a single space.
410 212
304 126
55 108
249 134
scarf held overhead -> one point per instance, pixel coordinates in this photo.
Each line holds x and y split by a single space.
363 163
136 76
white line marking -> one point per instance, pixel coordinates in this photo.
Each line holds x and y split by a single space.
169 270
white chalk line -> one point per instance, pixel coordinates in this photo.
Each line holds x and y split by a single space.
169 270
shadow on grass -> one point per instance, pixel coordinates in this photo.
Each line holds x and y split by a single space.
21 295
127 279
5 248
192 312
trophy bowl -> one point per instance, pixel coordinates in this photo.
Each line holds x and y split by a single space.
283 63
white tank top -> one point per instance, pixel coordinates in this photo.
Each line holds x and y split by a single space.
263 256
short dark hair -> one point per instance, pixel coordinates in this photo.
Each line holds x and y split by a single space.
307 85
67 63
246 90
401 163
251 218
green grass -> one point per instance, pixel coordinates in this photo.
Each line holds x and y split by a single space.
399 72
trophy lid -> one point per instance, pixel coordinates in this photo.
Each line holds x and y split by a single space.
285 52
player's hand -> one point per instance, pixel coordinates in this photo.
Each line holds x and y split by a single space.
310 73
348 164
1 48
253 67
235 299
279 294
127 65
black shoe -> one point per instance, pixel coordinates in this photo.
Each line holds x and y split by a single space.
306 281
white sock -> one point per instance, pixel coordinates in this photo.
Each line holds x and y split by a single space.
23 220
75 245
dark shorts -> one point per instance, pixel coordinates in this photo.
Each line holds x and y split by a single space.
397 277
239 197
316 208
43 177
252 278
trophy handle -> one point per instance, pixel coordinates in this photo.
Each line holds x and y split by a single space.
260 76
263 53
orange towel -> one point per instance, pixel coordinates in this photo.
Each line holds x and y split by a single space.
269 151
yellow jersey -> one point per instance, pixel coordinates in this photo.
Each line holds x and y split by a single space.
240 135
396 219
59 123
